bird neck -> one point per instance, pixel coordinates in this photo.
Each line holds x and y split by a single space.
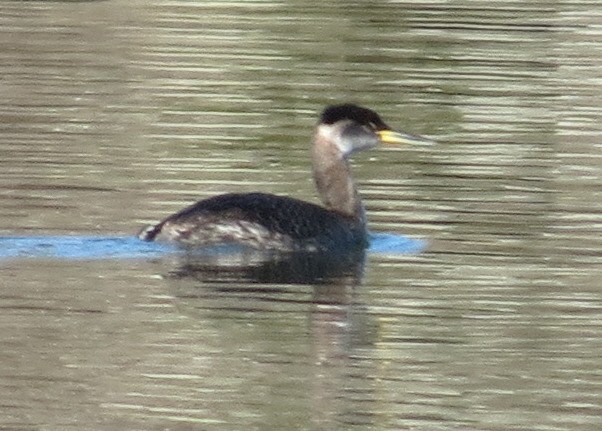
332 175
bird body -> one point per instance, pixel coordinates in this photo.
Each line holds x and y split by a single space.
259 220
266 221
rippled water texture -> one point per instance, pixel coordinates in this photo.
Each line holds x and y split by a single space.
114 114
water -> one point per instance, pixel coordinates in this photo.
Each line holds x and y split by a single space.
115 114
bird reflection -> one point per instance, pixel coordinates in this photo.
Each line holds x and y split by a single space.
253 266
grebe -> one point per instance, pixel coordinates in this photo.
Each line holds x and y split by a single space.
265 221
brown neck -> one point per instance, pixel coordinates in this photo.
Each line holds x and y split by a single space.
335 185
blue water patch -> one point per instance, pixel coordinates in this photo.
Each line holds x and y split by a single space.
130 247
80 247
388 243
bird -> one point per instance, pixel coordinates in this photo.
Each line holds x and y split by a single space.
272 222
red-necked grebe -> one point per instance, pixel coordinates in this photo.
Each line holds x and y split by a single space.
266 221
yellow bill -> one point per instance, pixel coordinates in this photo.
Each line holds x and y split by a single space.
393 137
